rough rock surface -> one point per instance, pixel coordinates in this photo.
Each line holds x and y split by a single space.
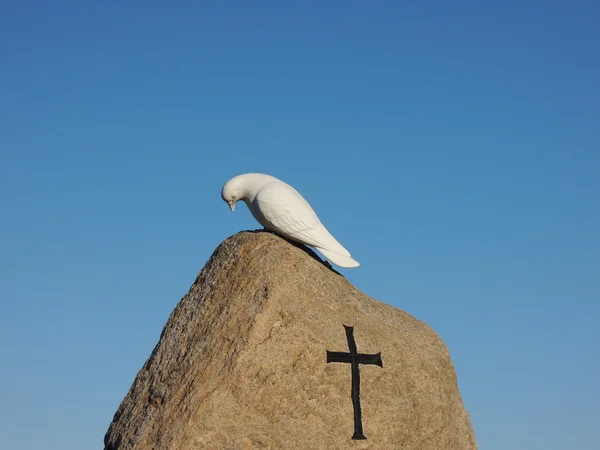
241 364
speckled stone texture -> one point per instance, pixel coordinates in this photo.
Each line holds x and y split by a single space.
241 364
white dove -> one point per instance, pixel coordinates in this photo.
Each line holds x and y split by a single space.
278 207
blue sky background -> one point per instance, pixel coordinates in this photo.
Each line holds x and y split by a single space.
452 147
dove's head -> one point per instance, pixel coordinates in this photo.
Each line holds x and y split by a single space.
232 192
244 187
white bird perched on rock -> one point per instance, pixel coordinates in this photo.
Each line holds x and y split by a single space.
278 207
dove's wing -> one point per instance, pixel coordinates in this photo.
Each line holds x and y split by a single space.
286 212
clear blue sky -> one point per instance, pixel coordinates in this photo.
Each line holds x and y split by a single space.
452 147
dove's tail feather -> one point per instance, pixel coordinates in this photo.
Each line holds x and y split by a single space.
339 260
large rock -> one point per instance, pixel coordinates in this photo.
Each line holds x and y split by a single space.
242 364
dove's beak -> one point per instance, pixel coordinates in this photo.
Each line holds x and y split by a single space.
231 204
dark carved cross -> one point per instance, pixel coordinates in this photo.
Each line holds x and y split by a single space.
355 358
